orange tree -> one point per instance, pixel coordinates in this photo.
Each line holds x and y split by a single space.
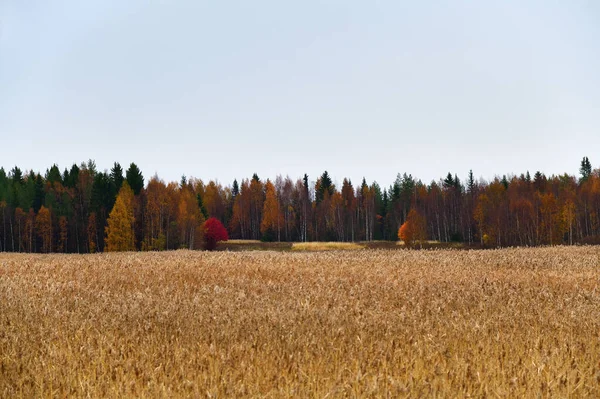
414 229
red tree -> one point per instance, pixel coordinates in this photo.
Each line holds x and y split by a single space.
214 231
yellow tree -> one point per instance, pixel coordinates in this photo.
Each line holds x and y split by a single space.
271 214
189 220
213 200
240 224
43 226
155 216
119 231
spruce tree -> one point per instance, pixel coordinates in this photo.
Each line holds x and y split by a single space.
471 182
325 186
39 193
585 169
134 178
116 177
53 174
235 190
449 181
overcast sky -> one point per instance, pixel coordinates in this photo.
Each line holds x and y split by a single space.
223 89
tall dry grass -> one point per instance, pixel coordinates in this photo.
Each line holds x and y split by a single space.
508 323
325 246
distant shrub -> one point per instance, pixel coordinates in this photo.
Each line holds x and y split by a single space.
214 231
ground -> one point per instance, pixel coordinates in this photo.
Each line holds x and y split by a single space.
508 323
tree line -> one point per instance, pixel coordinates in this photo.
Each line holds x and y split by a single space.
83 210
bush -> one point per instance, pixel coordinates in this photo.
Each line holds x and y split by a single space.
214 231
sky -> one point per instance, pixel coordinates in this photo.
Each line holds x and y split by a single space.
224 89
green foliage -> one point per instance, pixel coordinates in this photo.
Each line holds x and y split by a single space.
53 175
71 178
39 193
585 169
324 186
201 206
134 178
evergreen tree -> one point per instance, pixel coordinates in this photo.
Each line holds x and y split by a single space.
324 186
16 176
39 193
53 175
3 185
134 178
457 184
72 177
116 177
449 181
585 169
235 190
539 181
471 182
201 206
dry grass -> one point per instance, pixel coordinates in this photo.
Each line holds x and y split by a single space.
240 241
508 323
326 246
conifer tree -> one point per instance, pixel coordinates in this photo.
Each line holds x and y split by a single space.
134 178
585 169
119 231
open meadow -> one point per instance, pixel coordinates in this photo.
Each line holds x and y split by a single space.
375 323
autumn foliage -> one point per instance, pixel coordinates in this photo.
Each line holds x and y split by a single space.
214 231
78 210
414 230
119 232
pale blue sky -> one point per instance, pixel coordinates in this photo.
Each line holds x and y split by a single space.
223 89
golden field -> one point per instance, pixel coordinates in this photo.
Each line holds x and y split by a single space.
365 323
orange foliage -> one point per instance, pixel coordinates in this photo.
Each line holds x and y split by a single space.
414 230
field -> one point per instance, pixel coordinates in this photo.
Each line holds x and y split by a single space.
255 245
375 323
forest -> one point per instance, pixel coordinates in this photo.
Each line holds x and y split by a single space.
76 210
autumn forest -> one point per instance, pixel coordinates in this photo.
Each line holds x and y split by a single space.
83 210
